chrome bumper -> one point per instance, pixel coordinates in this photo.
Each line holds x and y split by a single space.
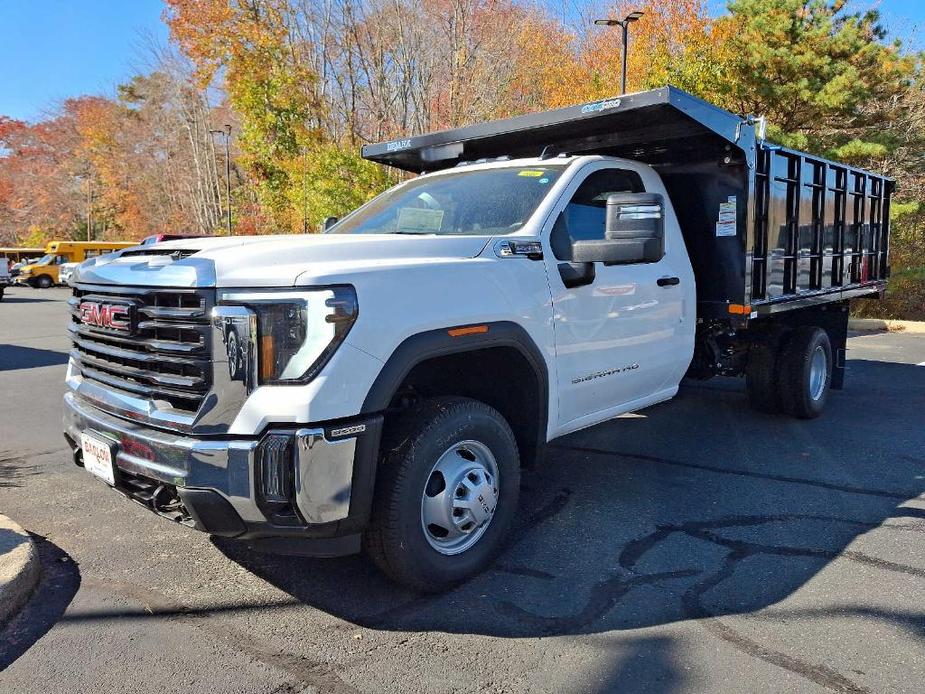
333 475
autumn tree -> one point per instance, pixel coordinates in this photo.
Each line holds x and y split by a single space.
267 78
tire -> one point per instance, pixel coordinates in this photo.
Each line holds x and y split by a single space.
803 375
462 437
43 282
761 378
233 354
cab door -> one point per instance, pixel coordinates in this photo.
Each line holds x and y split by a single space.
625 336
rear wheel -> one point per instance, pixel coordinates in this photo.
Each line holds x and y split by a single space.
805 370
446 494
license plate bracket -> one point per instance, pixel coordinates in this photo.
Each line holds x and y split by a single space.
99 454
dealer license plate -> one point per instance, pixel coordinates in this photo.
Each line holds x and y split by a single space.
97 456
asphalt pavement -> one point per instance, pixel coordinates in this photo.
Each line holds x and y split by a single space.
695 546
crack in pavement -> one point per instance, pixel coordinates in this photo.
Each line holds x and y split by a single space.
306 672
611 591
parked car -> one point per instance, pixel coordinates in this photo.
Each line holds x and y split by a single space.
65 272
387 380
16 257
159 238
5 280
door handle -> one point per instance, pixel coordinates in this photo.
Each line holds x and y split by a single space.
668 281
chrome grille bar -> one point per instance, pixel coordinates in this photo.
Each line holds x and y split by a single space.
165 357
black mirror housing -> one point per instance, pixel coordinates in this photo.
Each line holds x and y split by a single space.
328 223
637 220
609 251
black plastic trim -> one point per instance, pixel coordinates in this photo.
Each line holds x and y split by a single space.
211 512
439 343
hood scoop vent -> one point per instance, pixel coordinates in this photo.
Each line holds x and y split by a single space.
172 253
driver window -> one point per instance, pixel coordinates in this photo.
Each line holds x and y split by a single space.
584 217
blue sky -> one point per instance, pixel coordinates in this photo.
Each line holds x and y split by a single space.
53 49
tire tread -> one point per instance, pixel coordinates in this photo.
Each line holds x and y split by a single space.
383 535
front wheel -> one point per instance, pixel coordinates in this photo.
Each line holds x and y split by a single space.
43 282
446 494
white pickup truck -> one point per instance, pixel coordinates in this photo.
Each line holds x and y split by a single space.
381 385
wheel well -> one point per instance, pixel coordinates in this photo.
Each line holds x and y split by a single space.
498 376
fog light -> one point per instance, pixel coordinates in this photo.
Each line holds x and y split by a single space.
276 463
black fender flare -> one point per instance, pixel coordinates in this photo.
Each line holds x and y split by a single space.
441 342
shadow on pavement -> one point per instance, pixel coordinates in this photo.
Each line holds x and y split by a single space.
23 300
693 509
57 586
13 357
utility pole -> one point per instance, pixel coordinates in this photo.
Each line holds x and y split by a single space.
624 23
227 135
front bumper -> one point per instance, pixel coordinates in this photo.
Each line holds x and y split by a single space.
211 484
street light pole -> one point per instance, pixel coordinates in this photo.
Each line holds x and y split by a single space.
305 191
227 135
624 23
89 208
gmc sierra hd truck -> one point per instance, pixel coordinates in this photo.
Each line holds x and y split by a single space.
381 385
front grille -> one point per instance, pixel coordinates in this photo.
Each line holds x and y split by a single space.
166 357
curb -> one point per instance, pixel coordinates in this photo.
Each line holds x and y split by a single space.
893 326
19 568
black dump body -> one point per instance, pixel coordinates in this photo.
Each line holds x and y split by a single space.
767 228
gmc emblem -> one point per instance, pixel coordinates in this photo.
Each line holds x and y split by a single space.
113 316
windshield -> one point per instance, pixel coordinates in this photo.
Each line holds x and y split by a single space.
45 260
486 201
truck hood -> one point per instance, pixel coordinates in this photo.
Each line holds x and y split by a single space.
269 261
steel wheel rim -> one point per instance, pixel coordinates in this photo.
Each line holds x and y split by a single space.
459 498
818 371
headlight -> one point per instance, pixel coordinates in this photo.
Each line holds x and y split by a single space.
297 331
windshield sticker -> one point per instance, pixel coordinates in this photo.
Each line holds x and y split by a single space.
420 220
726 223
531 173
543 180
599 106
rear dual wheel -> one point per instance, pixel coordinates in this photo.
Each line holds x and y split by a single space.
791 375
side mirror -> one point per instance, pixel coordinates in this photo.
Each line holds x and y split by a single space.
638 219
633 233
328 223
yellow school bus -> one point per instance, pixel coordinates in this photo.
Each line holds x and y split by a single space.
44 272
17 255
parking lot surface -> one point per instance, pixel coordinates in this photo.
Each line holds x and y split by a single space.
694 546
